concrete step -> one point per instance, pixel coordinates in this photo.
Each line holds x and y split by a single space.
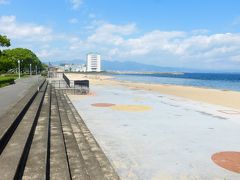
76 162
37 166
10 120
90 161
49 140
59 167
97 164
13 156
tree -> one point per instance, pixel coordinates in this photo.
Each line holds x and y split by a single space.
6 64
4 42
9 57
26 57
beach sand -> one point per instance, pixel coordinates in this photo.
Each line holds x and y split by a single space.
213 96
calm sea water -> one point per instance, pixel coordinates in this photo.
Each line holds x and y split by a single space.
207 80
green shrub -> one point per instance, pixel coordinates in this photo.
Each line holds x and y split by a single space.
44 73
4 81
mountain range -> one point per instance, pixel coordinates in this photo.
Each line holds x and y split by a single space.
128 66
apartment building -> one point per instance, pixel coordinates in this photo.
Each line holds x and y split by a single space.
93 62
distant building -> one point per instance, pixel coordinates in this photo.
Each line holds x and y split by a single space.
93 62
74 68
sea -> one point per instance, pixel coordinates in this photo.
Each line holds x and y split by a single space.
223 81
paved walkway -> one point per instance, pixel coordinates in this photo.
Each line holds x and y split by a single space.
148 135
10 95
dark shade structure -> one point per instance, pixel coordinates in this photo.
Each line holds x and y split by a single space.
82 83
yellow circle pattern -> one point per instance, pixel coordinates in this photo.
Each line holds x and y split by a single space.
131 108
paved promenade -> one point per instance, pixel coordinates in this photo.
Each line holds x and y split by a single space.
10 95
149 135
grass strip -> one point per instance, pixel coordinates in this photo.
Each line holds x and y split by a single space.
4 81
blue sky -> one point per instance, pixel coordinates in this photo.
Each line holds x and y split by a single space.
188 33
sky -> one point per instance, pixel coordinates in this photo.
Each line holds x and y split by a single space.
199 34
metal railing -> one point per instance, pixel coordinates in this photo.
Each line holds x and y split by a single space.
66 79
62 85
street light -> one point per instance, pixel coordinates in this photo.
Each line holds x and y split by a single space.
36 70
19 69
30 69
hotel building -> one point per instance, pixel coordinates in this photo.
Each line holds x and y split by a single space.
93 62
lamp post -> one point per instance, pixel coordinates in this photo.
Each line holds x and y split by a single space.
36 70
19 69
30 69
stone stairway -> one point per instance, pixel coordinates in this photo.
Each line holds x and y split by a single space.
44 137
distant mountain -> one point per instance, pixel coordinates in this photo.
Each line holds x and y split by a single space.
139 67
129 66
74 61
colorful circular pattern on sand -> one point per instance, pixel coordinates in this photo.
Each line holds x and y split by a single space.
103 104
131 108
229 160
229 111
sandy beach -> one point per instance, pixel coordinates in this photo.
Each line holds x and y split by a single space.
213 96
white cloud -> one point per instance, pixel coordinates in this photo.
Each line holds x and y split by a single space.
212 46
45 53
156 41
4 2
41 39
197 48
200 31
31 32
236 58
73 21
193 48
236 21
76 3
108 28
92 16
111 34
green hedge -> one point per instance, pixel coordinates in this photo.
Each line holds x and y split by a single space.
44 73
4 81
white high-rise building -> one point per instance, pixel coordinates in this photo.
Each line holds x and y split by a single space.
93 62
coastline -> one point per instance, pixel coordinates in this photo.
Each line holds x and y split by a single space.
225 98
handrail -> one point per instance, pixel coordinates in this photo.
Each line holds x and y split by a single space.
66 79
